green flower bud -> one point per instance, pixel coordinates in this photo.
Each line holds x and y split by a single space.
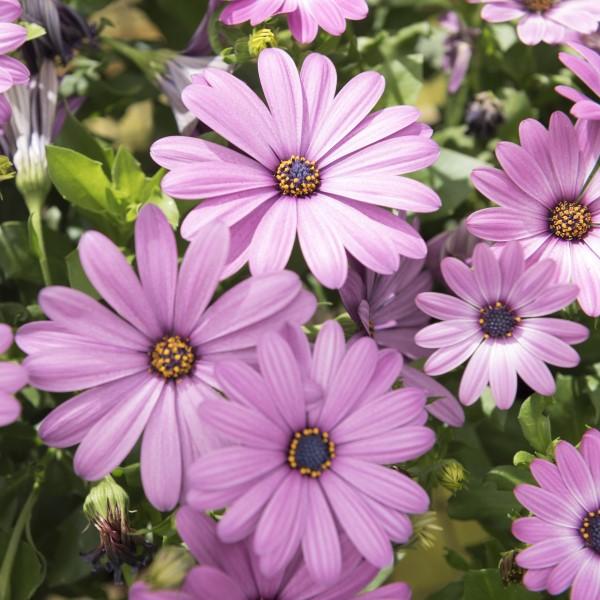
259 40
169 568
425 530
107 501
452 475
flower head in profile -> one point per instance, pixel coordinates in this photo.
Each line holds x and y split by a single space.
564 527
304 17
549 200
549 21
305 469
12 378
587 68
148 366
458 48
12 36
231 571
383 308
497 321
313 163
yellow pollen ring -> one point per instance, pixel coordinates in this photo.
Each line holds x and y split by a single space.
292 458
288 181
172 357
570 221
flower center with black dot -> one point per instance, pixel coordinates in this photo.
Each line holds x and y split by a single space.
590 530
172 357
570 221
311 452
497 320
298 177
539 5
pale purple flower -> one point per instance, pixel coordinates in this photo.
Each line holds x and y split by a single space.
497 321
313 163
148 366
383 307
548 200
549 21
458 48
587 68
302 473
230 572
12 378
564 526
304 16
12 36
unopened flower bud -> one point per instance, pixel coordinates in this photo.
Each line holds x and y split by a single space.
484 116
452 475
168 568
260 39
425 530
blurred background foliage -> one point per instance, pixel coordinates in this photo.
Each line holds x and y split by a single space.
102 174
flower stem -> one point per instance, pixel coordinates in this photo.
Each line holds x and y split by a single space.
36 234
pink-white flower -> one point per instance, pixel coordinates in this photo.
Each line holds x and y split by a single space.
587 68
498 322
148 366
304 16
313 163
12 378
549 21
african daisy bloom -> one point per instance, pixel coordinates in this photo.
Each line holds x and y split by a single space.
148 365
12 378
549 21
301 473
304 16
322 167
587 68
383 307
497 320
230 571
564 526
548 200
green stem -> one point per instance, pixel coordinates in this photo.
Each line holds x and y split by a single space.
39 244
13 544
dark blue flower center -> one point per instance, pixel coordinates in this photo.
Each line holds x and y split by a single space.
590 530
497 320
570 221
298 177
172 357
311 452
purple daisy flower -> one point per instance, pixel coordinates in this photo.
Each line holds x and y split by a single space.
12 378
383 307
548 200
549 21
304 16
148 367
230 571
303 473
564 527
587 68
458 48
498 320
322 167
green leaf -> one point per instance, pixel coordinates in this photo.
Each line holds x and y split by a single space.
486 584
79 180
127 175
77 277
16 259
535 424
455 560
28 571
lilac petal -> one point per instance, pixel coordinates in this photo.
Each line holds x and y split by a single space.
547 553
536 579
576 475
321 244
80 314
161 453
350 107
388 369
12 377
199 276
563 574
70 422
242 516
234 111
330 347
18 72
303 25
446 333
10 10
567 331
281 85
564 152
446 359
12 36
476 375
320 543
274 237
349 382
499 13
531 29
503 375
156 258
548 506
461 280
534 372
505 224
590 448
531 284
396 446
585 266
116 282
443 306
210 583
199 532
111 438
552 300
587 581
548 476
390 591
500 188
548 348
385 486
532 530
6 337
357 520
10 409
